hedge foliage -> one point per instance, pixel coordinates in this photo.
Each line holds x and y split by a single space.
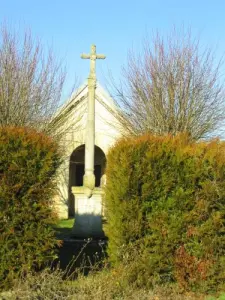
165 210
28 163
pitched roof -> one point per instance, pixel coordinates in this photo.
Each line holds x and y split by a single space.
81 94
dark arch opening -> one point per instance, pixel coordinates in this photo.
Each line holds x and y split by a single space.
76 170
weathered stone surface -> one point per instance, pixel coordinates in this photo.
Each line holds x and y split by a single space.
88 213
107 131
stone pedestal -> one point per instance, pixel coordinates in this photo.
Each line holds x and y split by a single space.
88 213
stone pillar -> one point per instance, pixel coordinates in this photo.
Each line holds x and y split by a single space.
89 177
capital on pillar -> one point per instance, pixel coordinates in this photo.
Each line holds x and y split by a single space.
89 181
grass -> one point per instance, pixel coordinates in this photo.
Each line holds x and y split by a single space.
63 228
103 285
68 223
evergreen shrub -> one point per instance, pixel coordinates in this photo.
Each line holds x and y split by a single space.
28 163
165 210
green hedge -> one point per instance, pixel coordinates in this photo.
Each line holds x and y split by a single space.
28 163
165 210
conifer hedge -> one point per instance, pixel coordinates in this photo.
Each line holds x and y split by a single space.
165 210
28 163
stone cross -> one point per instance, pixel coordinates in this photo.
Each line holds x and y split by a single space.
93 56
89 177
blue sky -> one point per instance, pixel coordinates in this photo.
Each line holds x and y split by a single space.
70 27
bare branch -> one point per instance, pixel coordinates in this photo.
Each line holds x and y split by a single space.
172 86
31 83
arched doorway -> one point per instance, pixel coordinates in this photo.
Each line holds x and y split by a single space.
76 170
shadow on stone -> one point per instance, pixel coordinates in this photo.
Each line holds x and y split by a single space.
88 226
81 250
81 256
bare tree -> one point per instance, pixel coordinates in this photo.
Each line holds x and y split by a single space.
172 86
31 82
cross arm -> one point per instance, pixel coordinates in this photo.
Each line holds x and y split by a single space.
87 56
100 56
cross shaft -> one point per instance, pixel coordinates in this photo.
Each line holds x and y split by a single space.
89 177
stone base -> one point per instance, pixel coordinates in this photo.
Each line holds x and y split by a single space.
88 213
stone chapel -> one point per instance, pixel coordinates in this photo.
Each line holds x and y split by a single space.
91 129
